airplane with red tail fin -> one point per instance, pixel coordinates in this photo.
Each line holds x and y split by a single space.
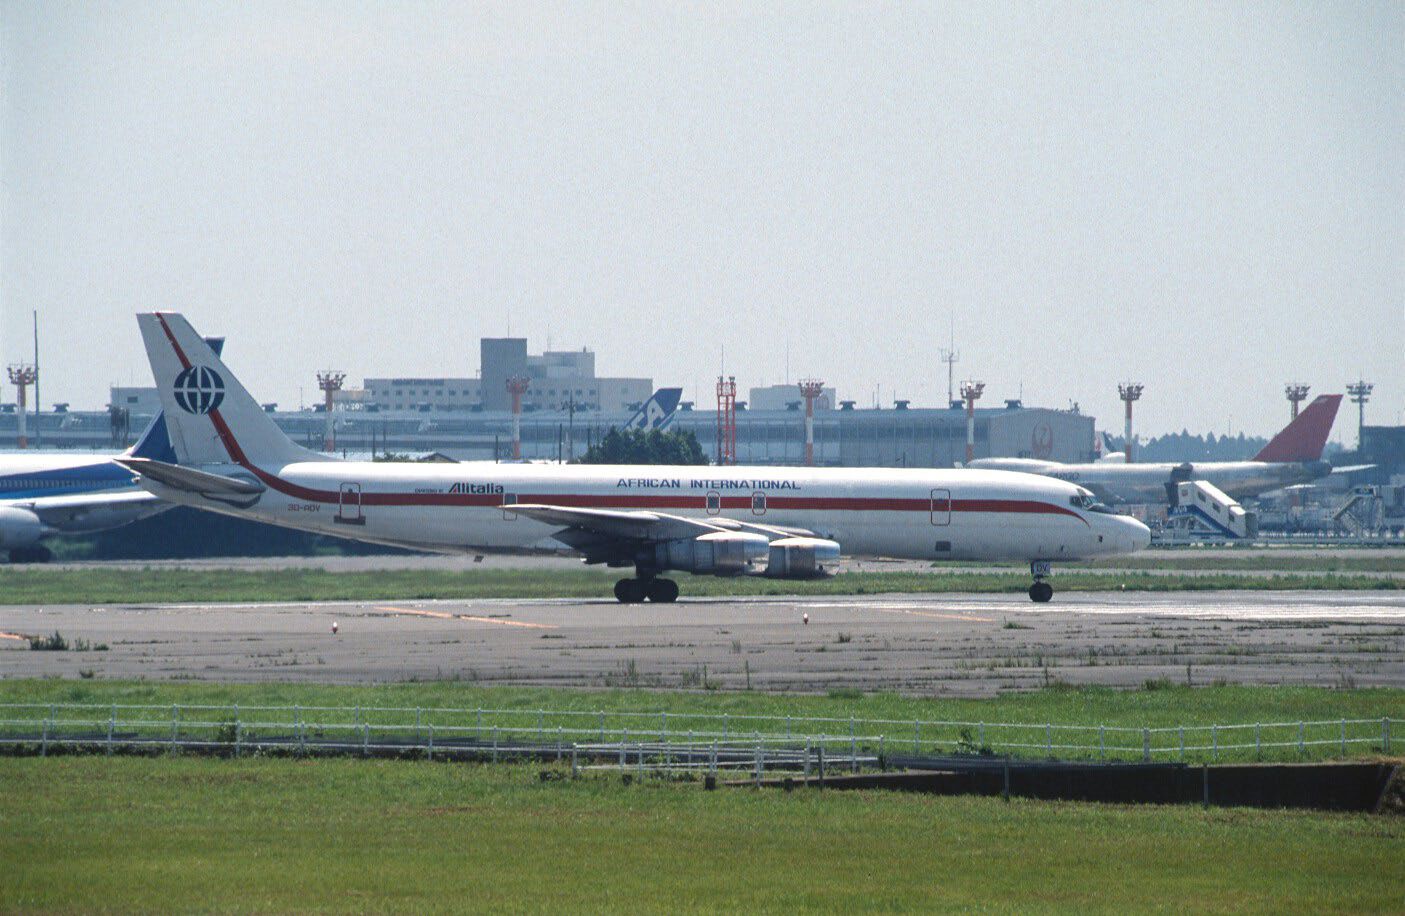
1294 456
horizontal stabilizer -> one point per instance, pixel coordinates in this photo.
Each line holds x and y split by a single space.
179 477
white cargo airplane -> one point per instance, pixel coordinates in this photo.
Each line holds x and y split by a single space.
789 523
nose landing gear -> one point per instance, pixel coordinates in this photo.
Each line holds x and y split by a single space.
1041 591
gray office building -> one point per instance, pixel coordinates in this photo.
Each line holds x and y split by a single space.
501 358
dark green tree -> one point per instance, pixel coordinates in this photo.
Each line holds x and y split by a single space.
636 446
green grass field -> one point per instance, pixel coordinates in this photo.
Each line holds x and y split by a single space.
272 835
138 585
1158 705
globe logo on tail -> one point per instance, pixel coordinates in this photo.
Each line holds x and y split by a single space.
199 389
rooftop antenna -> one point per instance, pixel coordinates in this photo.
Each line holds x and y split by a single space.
38 433
950 357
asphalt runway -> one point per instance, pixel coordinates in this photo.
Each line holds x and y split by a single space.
1176 561
957 645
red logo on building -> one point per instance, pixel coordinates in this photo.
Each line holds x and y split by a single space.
1041 441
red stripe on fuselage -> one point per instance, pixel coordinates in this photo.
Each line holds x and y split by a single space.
643 501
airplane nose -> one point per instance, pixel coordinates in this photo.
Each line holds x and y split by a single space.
1139 535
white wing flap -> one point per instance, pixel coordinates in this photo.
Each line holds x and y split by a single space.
617 523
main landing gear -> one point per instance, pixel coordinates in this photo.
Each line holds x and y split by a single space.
633 591
37 554
1041 591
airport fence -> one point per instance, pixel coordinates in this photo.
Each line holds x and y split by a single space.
656 741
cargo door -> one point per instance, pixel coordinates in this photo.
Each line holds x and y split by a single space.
941 507
349 505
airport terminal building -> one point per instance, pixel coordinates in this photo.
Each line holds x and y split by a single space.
566 407
848 437
557 380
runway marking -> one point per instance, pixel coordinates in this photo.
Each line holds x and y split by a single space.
510 623
13 636
896 608
418 612
934 615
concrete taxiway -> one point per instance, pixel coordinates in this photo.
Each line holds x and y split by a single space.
959 645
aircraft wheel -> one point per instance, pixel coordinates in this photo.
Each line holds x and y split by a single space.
663 591
630 591
30 555
1041 592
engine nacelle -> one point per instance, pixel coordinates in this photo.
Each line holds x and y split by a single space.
19 528
801 558
718 553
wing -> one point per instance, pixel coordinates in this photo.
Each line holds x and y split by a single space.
612 536
81 512
615 537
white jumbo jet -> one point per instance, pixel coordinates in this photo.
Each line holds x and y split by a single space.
1294 456
788 523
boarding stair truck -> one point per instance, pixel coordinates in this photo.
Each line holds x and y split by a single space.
1362 514
1201 511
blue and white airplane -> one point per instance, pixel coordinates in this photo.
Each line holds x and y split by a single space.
43 494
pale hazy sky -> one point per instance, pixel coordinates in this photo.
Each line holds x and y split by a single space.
1207 197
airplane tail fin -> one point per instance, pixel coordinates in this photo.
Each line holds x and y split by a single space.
1305 437
657 412
155 443
209 416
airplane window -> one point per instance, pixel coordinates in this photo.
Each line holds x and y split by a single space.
1088 502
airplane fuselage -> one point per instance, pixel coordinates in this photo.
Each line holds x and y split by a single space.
917 514
36 474
42 494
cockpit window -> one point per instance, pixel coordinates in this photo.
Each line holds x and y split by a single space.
1088 503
